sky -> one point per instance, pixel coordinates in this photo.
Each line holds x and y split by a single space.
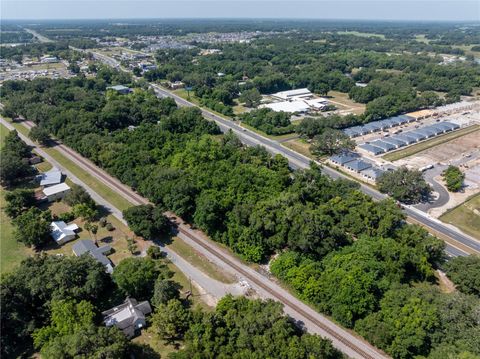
426 10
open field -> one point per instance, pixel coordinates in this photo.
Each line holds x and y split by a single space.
300 146
11 251
361 34
466 216
344 104
397 155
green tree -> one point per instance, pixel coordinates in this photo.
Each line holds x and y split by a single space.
251 97
171 320
84 211
39 135
78 195
465 273
147 221
164 291
330 142
18 201
407 186
67 317
136 276
453 178
32 227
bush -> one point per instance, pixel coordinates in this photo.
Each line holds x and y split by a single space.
453 178
102 222
109 227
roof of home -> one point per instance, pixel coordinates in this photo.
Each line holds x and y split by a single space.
416 135
344 157
384 145
405 138
54 176
372 172
394 141
88 246
372 149
358 165
60 230
126 314
61 187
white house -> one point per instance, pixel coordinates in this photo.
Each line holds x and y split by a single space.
56 192
63 233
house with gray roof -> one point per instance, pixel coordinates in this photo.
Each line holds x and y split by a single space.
405 138
87 246
374 150
129 316
372 173
416 135
357 165
343 158
383 145
394 141
50 178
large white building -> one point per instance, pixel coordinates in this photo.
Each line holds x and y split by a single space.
302 93
56 192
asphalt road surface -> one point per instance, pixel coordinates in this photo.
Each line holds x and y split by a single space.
458 244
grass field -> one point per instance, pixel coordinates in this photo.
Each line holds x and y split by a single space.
409 151
466 216
343 102
300 146
361 34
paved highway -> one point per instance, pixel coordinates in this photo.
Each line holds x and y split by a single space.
458 244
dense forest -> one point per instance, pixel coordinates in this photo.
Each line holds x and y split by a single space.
350 257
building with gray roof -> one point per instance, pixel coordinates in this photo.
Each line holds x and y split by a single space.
129 316
87 246
416 135
343 158
50 178
383 145
357 165
372 173
394 141
427 132
405 138
374 150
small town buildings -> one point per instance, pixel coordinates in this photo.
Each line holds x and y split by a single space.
55 192
120 89
50 178
129 316
288 106
63 233
383 145
49 60
357 165
344 158
289 95
374 150
372 173
87 246
176 85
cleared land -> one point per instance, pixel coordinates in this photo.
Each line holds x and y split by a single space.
466 217
361 34
199 261
397 155
344 104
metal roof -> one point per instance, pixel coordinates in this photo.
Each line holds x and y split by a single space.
416 135
372 172
394 141
386 146
372 149
405 138
358 165
427 132
344 158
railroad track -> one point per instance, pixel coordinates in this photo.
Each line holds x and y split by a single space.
278 296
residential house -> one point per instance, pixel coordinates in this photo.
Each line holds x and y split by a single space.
129 316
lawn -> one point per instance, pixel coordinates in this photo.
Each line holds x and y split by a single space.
466 216
11 251
396 155
300 146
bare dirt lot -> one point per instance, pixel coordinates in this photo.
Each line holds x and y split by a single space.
445 153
